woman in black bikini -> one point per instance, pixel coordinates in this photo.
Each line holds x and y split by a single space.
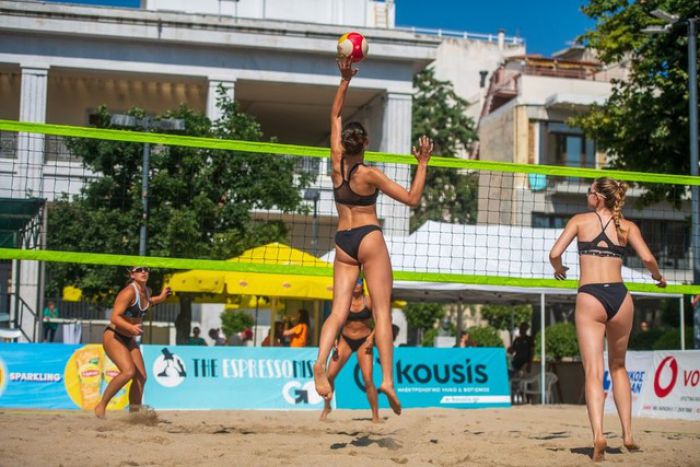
603 305
356 336
119 341
359 240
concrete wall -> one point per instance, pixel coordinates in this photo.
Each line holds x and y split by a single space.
363 13
460 61
534 90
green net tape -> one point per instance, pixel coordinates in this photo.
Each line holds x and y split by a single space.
312 151
219 265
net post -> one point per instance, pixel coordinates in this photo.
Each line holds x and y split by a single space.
542 352
682 322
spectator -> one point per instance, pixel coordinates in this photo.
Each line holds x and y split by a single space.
465 340
279 329
50 313
644 326
523 350
195 339
300 331
215 335
240 338
695 304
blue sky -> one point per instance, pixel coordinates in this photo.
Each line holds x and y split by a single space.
546 25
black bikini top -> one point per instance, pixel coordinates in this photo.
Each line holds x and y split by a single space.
594 248
361 315
343 194
135 310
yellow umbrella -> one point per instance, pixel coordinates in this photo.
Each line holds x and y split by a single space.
223 283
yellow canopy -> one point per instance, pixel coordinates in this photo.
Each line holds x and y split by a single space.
221 283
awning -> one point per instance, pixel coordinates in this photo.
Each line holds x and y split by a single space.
223 284
15 214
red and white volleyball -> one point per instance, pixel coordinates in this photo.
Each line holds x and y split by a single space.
353 45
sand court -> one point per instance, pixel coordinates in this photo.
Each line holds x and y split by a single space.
522 435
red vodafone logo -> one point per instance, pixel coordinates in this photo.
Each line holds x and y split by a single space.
673 365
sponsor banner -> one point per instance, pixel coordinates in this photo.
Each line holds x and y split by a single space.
433 377
193 377
674 387
638 366
56 376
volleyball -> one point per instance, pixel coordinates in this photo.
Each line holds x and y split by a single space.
353 45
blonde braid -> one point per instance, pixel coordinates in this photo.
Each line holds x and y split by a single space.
618 202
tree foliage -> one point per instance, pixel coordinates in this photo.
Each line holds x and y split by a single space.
423 316
235 321
439 113
644 123
506 317
200 200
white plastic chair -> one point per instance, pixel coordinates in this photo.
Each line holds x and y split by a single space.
531 386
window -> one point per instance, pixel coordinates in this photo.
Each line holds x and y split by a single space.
55 150
564 145
541 220
8 145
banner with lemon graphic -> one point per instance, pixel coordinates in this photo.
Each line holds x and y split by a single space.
57 376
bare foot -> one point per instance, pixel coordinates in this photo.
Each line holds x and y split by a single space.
599 450
390 393
323 386
135 408
100 411
376 419
324 414
631 446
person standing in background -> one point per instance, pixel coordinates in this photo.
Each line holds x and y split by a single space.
50 313
299 332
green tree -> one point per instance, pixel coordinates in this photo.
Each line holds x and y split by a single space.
200 202
235 321
506 317
644 123
449 195
423 316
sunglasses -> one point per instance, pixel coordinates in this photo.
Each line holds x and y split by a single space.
137 270
591 192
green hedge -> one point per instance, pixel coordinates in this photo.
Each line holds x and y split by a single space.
560 341
485 336
671 339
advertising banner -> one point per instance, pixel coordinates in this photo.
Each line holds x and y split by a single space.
193 377
433 377
56 376
638 366
673 390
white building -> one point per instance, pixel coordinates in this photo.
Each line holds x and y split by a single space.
59 62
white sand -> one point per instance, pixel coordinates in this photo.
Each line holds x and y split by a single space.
529 435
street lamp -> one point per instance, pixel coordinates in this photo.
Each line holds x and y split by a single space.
671 22
313 194
146 123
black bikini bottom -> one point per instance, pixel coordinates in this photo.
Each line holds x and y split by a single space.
610 295
128 341
349 240
354 344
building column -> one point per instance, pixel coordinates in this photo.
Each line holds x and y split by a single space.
213 112
30 147
396 138
28 183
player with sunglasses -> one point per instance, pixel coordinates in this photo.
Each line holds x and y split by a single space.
119 338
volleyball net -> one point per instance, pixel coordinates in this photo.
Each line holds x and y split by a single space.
73 198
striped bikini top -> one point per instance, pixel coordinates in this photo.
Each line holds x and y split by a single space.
343 194
594 248
135 310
